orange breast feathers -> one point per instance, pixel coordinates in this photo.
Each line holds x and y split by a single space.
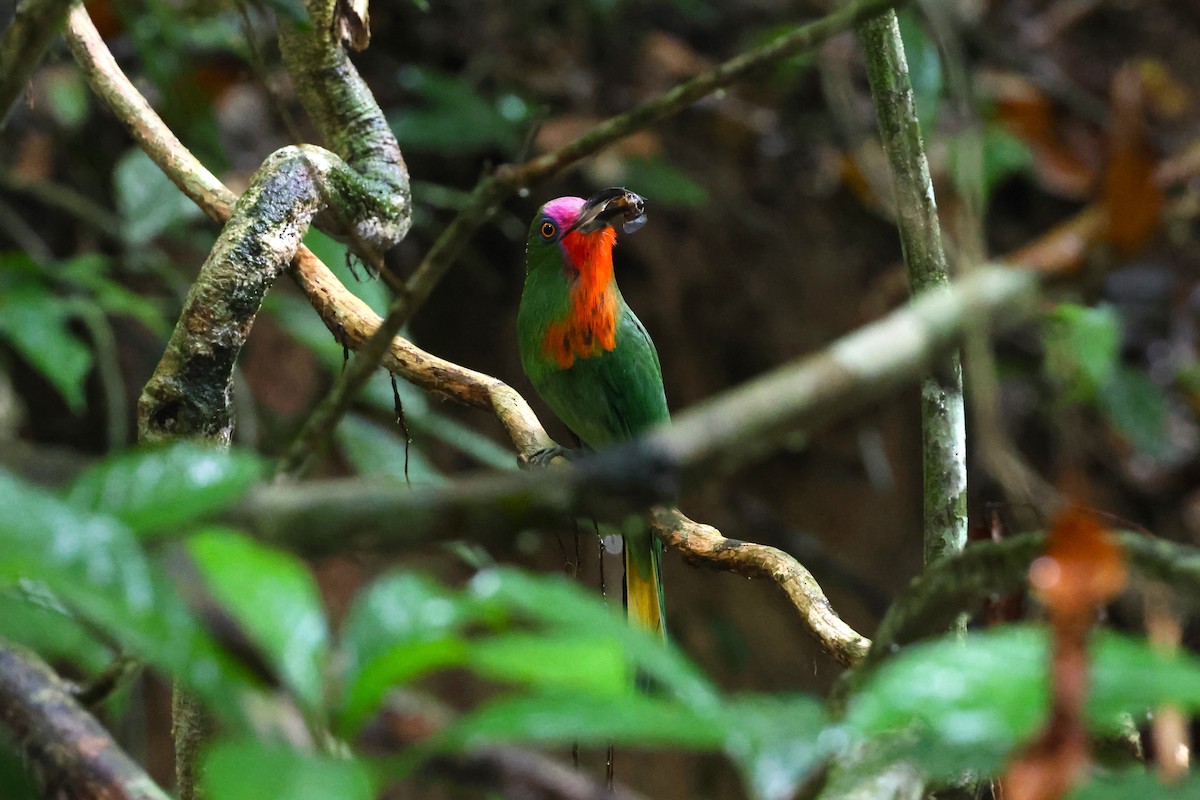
589 327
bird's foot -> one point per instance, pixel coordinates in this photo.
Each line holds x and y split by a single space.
543 457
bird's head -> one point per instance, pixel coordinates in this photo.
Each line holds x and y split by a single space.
578 233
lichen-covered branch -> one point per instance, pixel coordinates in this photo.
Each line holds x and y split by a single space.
509 179
70 754
35 24
943 415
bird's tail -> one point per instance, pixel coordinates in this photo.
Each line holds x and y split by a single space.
643 584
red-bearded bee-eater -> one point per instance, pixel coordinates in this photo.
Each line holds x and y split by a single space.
589 356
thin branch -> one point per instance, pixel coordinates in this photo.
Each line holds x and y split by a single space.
69 752
25 41
943 415
509 179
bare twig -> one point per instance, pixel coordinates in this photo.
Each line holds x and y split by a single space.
943 416
34 26
507 180
71 754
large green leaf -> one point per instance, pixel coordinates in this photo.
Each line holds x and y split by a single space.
561 717
778 742
155 490
274 598
377 452
248 769
1140 784
556 602
954 706
456 119
403 626
93 565
38 325
584 664
36 620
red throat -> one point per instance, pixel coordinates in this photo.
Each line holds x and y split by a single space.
590 326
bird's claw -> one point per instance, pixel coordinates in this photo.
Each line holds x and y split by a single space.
543 457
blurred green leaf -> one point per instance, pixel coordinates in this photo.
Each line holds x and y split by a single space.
38 326
777 742
14 777
158 489
42 625
402 626
456 120
90 272
380 453
585 664
93 565
924 69
1137 408
371 290
980 160
1135 783
248 769
663 184
149 203
563 716
956 706
563 606
67 97
274 598
1082 348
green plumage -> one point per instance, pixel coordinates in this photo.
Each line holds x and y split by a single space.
605 398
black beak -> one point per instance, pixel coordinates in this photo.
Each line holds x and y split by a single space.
605 206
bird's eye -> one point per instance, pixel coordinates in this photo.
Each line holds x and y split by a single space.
548 230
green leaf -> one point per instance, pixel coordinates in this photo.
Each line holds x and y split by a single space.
457 120
403 626
161 488
37 621
1136 407
379 453
562 606
924 69
562 717
583 664
778 742
248 769
370 290
149 203
274 598
1135 783
37 324
954 706
93 565
1082 348
67 97
90 273
14 777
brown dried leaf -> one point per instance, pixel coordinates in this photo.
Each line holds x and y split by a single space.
1131 196
352 23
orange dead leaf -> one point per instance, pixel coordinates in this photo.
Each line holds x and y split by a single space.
1063 248
1083 569
1133 199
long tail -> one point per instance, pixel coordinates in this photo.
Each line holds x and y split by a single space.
643 584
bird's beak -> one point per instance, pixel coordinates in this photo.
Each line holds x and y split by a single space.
605 206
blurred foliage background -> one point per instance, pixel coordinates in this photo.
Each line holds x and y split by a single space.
1064 132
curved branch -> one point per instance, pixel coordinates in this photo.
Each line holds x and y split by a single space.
71 754
34 26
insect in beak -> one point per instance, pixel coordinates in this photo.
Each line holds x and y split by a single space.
606 205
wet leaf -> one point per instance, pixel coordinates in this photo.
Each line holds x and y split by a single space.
274 598
155 490
249 769
149 203
38 326
564 717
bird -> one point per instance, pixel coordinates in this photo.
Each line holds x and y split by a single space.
590 358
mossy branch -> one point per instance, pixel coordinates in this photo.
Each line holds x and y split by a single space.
34 26
943 414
